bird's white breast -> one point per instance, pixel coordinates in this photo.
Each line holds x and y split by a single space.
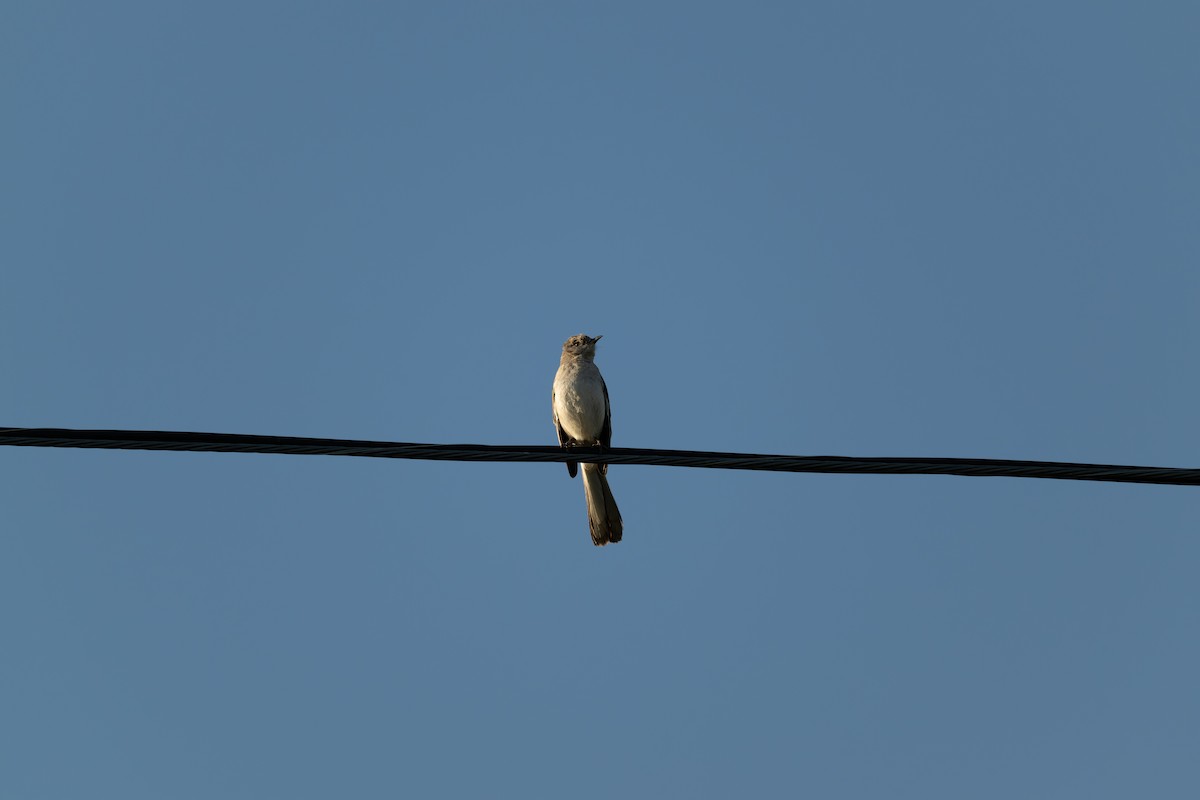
579 400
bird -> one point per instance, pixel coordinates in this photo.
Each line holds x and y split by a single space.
583 417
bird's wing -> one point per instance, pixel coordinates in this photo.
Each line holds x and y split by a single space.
606 431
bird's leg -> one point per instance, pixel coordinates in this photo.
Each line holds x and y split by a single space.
597 445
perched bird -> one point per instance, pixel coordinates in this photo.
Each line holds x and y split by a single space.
582 417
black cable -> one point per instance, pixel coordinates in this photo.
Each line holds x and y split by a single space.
296 445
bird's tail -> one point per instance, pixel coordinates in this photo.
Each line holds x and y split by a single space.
604 518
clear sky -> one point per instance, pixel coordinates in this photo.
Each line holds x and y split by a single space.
820 228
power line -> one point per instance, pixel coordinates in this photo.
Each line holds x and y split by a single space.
297 445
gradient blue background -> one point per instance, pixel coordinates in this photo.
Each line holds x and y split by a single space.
930 228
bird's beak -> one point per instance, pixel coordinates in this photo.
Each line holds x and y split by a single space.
598 338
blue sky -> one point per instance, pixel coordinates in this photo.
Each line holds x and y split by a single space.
875 229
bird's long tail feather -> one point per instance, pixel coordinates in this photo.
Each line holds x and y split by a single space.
604 518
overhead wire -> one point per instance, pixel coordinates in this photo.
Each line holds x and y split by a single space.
298 445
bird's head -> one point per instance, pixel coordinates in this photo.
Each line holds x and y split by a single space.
580 346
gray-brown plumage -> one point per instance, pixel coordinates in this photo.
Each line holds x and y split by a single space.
582 416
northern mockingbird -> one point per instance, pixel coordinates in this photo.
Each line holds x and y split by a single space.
582 417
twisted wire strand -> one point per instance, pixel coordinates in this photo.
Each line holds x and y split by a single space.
298 445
